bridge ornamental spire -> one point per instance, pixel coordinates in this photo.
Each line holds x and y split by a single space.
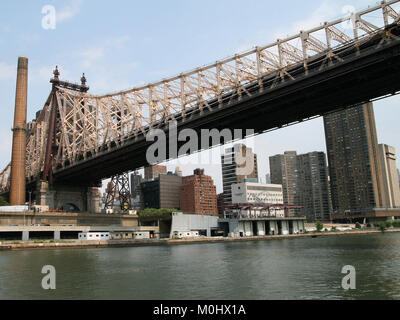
83 80
17 189
56 73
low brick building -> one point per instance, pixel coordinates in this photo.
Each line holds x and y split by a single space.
198 194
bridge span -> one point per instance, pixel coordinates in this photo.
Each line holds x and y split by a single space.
80 138
357 75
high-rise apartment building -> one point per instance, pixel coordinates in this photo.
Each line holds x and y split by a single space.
136 180
398 174
136 194
283 170
220 204
304 179
239 164
153 172
314 194
390 175
198 194
357 183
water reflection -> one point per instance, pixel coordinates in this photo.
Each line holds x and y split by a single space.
282 269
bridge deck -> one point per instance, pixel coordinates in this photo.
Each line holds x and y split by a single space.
359 77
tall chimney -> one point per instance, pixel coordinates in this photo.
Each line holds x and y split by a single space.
17 188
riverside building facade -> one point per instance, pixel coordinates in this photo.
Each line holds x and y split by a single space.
390 175
198 194
238 165
304 180
163 192
259 194
356 175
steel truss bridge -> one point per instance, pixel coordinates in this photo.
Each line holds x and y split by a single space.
83 138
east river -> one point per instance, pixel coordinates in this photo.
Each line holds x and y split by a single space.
278 269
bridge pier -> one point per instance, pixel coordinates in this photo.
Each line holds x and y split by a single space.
68 197
25 235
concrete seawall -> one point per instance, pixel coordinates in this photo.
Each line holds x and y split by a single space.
59 219
139 243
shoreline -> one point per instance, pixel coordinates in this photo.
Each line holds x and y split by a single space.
10 246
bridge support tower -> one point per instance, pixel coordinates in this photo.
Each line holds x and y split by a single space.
68 197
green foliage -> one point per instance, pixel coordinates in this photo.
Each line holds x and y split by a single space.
3 202
369 225
334 229
358 225
157 213
319 226
382 226
396 224
389 224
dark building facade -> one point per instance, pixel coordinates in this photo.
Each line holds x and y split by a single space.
314 193
136 180
220 204
354 163
284 171
162 193
136 194
304 180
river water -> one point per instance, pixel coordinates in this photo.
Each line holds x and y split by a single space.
278 269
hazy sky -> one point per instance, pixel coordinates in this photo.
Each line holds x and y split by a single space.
121 44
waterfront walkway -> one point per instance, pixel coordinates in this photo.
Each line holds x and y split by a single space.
19 245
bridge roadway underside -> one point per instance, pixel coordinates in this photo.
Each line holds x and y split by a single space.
371 73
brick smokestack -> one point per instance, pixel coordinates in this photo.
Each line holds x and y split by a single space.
17 189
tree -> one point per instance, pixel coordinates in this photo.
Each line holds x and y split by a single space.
396 224
358 225
156 213
319 226
382 226
3 202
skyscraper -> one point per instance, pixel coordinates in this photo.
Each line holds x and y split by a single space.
304 179
136 180
354 162
284 171
313 186
390 175
239 164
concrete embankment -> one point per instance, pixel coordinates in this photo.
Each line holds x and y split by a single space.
16 245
